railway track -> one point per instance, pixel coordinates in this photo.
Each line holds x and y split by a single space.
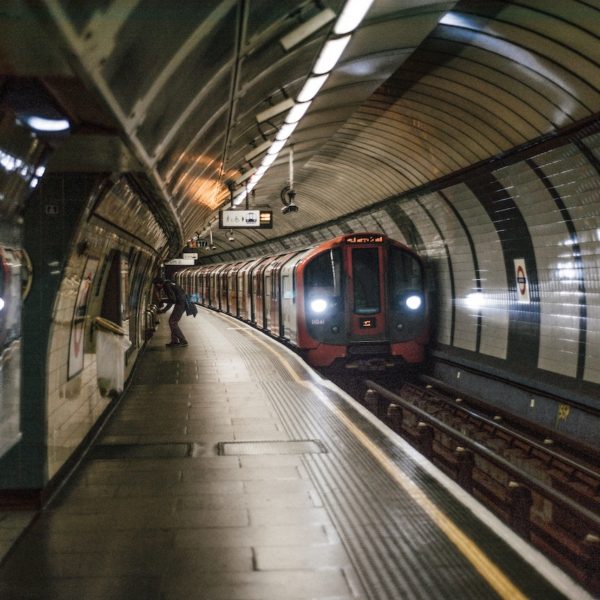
547 493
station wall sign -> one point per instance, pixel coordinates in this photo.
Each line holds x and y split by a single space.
522 281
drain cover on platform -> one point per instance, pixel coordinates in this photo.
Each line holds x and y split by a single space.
271 447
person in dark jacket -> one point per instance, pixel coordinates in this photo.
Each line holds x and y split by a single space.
172 296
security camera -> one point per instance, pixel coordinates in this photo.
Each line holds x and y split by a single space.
290 208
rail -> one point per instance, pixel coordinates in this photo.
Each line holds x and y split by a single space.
526 479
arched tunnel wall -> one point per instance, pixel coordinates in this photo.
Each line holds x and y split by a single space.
512 249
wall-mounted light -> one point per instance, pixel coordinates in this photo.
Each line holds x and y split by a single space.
45 125
274 110
307 29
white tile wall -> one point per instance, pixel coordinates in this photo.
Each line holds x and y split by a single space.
435 252
558 298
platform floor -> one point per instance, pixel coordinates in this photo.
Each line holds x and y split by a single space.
322 502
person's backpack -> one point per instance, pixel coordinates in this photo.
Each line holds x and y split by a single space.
190 307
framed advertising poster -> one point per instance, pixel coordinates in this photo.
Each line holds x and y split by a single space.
76 342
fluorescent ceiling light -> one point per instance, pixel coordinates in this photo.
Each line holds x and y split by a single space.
268 160
277 146
307 29
258 150
245 176
280 107
285 131
239 198
351 16
297 112
259 173
330 54
46 125
311 88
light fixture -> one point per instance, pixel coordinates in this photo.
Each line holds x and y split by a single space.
45 125
307 29
285 131
351 16
414 302
230 237
274 110
237 200
297 112
276 147
330 54
258 150
268 160
318 305
245 176
311 87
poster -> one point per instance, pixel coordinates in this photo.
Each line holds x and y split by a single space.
76 342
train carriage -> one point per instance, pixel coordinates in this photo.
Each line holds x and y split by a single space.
358 299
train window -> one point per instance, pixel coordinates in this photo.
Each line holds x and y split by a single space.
405 279
322 278
365 268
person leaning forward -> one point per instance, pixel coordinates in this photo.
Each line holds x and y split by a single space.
172 296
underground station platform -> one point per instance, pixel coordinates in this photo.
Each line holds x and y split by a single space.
230 470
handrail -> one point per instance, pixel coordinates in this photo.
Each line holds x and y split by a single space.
531 482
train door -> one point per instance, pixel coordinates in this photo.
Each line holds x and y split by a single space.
288 306
232 289
366 293
274 308
262 293
253 285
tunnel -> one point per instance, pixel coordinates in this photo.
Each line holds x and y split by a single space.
131 131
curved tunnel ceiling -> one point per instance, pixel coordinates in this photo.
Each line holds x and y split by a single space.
423 90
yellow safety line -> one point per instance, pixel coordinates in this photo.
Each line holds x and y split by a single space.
503 586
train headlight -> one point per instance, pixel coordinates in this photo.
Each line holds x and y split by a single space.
414 302
318 305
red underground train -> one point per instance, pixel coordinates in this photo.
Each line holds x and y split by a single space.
359 299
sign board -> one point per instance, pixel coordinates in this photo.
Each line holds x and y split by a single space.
522 281
192 255
229 219
181 262
237 219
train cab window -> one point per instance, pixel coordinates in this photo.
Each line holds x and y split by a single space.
365 269
322 282
405 280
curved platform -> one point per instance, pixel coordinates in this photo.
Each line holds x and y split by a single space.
232 471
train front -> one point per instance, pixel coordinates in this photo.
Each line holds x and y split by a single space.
365 304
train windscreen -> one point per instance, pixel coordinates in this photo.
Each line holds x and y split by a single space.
405 279
365 266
